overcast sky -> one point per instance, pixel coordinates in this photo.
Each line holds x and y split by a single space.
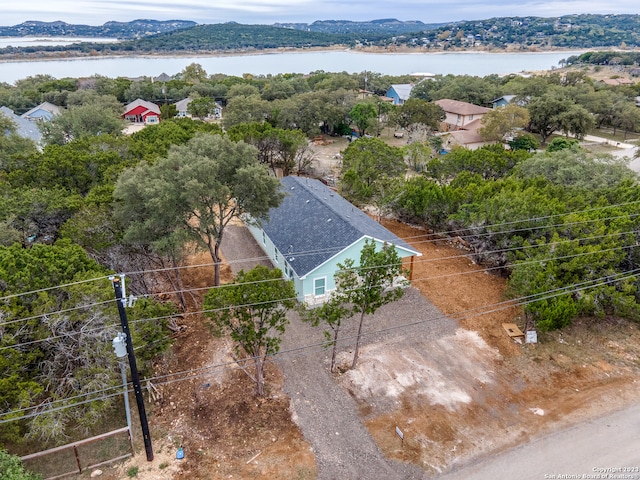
97 12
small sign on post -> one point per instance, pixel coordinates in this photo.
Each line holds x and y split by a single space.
532 336
400 434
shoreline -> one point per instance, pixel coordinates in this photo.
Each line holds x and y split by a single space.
60 56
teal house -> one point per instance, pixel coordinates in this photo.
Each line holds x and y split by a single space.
315 229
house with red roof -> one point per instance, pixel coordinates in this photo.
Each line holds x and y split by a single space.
141 111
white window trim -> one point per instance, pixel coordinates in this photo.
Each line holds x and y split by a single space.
315 280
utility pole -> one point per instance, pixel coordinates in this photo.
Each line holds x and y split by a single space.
120 349
135 380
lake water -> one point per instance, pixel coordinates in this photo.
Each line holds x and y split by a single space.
463 63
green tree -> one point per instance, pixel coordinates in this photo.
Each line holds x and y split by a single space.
154 141
561 143
77 166
579 258
628 118
193 73
331 314
366 287
245 109
253 312
196 191
419 112
202 107
501 123
14 149
573 167
98 117
425 202
368 165
56 343
576 121
417 155
525 141
555 110
11 468
37 213
363 114
489 161
278 148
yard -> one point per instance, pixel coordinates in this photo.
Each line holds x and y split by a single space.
456 396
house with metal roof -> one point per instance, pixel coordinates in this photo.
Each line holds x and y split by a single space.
400 93
24 127
45 111
315 229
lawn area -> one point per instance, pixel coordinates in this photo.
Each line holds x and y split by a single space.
620 136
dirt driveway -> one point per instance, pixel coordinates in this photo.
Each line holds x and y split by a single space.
453 382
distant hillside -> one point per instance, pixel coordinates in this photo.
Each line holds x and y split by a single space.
122 30
235 36
387 25
504 33
199 38
569 31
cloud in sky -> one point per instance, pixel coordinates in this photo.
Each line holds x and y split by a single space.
97 12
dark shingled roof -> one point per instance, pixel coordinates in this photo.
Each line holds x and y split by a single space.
314 223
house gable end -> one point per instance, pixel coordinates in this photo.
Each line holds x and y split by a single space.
314 224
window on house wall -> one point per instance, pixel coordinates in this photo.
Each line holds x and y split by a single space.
319 286
264 238
470 117
276 256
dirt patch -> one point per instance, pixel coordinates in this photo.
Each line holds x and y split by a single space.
477 392
463 395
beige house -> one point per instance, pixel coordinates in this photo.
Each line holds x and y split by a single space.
461 115
460 127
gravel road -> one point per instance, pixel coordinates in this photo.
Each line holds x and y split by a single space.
325 411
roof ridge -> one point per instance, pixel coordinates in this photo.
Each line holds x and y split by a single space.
326 202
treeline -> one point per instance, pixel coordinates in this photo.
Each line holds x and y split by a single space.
561 220
561 226
204 38
605 58
133 29
571 31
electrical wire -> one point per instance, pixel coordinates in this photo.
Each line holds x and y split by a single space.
476 311
34 342
442 234
429 260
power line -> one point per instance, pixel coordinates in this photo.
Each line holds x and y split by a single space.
426 260
311 252
46 289
476 311
166 317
